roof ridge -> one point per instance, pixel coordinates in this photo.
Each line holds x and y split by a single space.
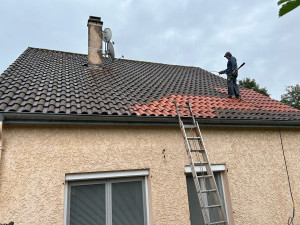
133 60
166 64
53 50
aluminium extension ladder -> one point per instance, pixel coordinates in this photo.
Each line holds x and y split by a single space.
207 192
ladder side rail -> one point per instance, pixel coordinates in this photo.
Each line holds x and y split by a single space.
177 111
205 156
194 173
212 181
205 212
208 167
191 112
216 196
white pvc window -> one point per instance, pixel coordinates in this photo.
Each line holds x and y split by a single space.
106 201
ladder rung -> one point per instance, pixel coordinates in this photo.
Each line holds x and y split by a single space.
207 191
182 106
189 126
219 222
212 206
186 117
200 163
197 150
193 138
204 176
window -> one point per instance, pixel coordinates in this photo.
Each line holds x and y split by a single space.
194 206
105 201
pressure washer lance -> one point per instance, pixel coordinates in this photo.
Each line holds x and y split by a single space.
235 70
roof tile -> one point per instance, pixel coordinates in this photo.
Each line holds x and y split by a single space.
47 81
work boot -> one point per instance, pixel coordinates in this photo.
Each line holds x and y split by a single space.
230 96
238 97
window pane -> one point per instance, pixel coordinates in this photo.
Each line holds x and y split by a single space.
87 205
127 203
195 210
194 206
218 179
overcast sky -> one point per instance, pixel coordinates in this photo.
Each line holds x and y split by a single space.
187 32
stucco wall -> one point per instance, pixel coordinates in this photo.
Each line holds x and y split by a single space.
36 158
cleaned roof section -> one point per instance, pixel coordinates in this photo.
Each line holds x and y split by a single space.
55 82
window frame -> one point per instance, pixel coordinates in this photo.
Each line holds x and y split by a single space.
106 178
220 168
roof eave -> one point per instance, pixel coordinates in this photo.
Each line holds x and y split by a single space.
40 118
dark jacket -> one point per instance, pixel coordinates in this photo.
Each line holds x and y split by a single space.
231 66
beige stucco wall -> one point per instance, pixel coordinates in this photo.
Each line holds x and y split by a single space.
36 158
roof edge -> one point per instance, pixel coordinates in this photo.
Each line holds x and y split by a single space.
35 118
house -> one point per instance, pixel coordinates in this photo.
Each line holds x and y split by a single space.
88 141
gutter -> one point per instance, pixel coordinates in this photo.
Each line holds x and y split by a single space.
39 118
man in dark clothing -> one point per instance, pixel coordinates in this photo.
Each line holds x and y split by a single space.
233 89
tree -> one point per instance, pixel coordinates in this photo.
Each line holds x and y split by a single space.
292 97
251 84
288 6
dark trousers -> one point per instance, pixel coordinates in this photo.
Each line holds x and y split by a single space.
233 88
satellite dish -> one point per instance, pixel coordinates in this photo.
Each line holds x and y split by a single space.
110 51
107 35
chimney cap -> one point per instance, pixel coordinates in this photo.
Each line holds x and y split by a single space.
95 19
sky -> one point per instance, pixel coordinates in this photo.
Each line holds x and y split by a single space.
178 32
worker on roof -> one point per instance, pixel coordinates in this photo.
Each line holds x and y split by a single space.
232 73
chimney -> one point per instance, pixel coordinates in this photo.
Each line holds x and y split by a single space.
95 57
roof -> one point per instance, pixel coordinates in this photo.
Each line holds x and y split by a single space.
52 82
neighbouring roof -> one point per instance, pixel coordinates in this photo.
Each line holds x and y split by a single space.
53 82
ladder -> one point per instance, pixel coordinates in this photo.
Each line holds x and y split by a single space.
207 192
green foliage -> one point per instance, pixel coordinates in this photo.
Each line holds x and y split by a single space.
251 84
292 97
287 6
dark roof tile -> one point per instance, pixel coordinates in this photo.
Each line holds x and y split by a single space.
3 106
46 81
27 108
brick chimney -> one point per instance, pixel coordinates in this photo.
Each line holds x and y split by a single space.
95 57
